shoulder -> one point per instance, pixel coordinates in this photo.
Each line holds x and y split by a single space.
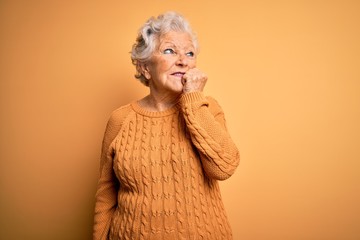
116 119
119 114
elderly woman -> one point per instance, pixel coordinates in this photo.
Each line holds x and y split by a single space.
163 155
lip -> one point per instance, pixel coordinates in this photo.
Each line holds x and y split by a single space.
178 74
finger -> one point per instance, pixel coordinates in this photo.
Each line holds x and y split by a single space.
183 80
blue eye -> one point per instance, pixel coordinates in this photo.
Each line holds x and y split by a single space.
190 54
169 51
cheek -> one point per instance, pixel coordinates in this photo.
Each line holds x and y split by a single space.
192 63
163 65
166 64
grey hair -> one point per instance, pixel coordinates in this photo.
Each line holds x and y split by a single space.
150 32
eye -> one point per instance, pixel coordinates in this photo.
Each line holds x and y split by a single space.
169 51
190 54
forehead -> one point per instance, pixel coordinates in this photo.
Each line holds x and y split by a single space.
179 39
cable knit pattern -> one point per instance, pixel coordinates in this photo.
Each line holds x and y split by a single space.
159 172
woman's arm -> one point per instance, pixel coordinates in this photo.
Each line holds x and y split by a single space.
206 123
106 195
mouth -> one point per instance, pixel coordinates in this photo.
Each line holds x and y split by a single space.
178 74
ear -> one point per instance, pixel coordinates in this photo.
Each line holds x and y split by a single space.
143 68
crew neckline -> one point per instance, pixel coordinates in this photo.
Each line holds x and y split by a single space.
141 110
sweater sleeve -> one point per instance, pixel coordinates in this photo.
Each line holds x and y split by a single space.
206 123
106 194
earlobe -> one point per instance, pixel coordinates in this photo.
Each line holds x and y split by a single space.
147 75
144 70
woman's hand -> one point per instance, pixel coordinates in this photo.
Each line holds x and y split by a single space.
194 80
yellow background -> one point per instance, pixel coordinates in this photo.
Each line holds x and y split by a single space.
287 74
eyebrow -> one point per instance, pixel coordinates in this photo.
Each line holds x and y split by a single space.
191 45
170 43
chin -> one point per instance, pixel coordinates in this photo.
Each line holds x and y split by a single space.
180 89
176 91
177 88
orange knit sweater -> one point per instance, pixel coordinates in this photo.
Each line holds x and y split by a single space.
159 172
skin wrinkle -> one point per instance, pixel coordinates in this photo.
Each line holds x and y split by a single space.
175 53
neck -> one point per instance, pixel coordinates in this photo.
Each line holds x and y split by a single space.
159 102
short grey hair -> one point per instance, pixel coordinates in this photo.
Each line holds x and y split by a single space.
150 32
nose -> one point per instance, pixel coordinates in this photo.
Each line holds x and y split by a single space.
182 61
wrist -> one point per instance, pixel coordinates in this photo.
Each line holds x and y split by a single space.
190 97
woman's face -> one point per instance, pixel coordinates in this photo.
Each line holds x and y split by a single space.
175 54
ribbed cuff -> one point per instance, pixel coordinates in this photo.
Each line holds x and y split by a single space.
192 97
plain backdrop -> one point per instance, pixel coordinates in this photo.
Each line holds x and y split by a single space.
287 74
